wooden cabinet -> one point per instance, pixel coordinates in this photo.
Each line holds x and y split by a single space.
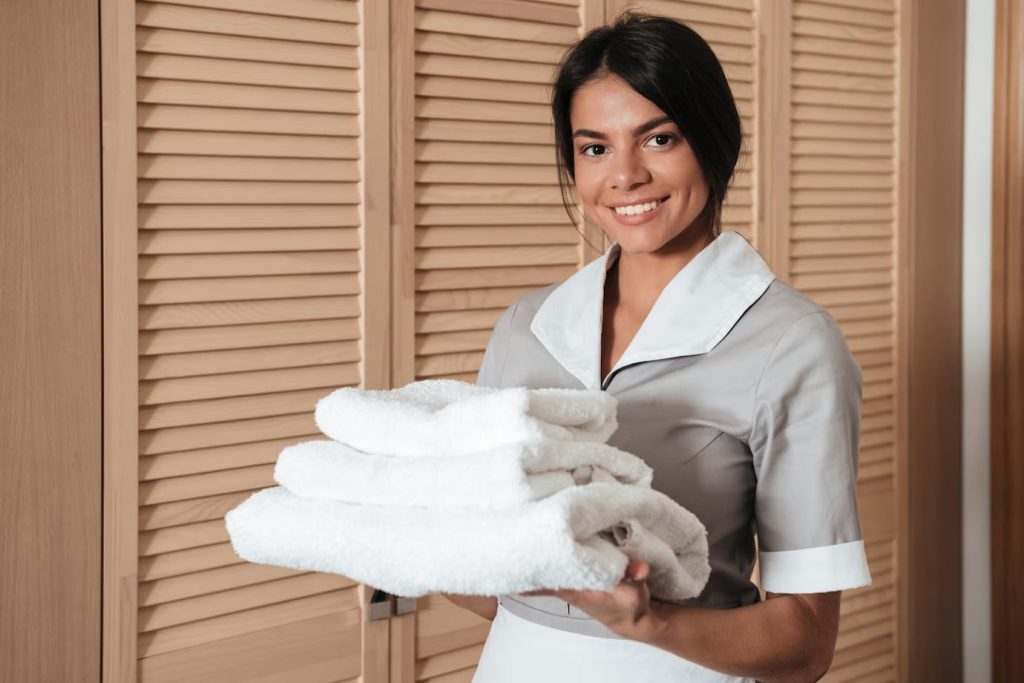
303 194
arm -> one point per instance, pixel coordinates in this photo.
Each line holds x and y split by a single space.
485 606
788 638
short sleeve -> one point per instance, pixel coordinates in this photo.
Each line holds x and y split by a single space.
805 438
493 363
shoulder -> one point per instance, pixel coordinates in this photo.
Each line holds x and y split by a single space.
519 314
785 314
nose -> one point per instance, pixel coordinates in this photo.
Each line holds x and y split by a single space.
628 171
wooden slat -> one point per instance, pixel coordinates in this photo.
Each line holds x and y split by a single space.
481 131
445 321
480 89
845 15
165 15
487 48
324 10
343 605
245 192
491 27
172 166
225 433
473 110
206 315
840 31
237 241
246 144
181 340
246 383
476 257
315 649
469 236
160 91
219 459
239 360
238 599
203 583
245 407
214 265
155 117
427 194
703 13
494 69
218 70
245 288
508 9
483 153
172 42
468 299
472 278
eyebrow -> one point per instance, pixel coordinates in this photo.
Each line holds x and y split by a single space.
642 128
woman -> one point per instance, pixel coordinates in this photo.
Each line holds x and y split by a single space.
739 391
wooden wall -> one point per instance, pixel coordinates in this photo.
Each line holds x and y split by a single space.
50 342
297 208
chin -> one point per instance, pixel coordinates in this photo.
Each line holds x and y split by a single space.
638 240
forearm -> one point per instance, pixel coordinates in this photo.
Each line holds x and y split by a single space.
774 641
484 605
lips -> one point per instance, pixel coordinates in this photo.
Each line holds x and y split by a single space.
640 203
639 218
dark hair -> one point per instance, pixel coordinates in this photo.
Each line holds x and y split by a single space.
668 63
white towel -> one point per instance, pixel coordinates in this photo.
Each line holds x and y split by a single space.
567 540
451 417
508 475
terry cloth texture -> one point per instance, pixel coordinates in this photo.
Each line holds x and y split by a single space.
507 475
580 537
429 417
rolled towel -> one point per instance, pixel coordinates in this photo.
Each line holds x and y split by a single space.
451 417
571 539
507 475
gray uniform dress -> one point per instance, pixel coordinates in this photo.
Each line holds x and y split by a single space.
743 397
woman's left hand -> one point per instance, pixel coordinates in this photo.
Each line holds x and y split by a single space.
625 610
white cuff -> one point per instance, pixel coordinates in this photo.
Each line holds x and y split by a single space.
815 570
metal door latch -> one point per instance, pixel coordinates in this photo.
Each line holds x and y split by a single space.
380 605
383 605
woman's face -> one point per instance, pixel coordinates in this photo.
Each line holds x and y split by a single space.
628 152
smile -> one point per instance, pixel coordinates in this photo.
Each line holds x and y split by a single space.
637 209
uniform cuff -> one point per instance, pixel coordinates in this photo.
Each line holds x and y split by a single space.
815 570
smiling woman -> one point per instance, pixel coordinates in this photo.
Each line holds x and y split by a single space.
738 390
644 115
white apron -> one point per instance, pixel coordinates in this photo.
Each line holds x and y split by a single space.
521 651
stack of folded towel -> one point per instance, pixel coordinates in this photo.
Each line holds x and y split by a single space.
446 486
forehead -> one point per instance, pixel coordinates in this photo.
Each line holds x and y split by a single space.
609 103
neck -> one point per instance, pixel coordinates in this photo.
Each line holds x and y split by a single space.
637 279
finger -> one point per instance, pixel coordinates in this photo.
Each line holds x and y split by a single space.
637 570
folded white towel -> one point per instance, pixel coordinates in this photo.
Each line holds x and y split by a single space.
508 475
570 539
451 417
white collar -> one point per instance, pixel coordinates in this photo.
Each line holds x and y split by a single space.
694 311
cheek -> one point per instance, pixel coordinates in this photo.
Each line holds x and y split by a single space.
588 184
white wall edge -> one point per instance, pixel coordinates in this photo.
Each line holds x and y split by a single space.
979 78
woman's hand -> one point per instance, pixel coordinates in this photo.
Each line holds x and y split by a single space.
625 610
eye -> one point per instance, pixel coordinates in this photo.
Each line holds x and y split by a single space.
668 138
584 150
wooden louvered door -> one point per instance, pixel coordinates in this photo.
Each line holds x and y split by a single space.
249 146
839 247
269 273
479 217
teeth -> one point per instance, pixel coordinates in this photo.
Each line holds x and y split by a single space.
636 208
